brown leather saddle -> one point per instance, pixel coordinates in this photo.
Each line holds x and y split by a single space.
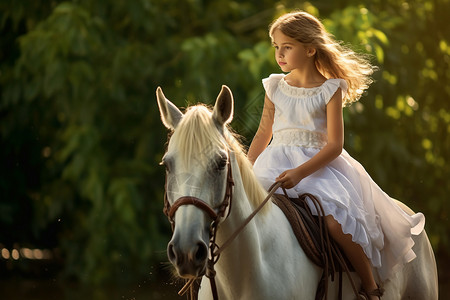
312 235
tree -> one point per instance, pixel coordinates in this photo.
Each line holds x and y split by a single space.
81 133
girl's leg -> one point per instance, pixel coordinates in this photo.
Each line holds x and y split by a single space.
354 252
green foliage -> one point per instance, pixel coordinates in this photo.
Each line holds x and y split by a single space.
402 122
81 135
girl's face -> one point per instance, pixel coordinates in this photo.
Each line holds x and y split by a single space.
290 54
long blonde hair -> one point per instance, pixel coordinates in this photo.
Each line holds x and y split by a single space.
332 59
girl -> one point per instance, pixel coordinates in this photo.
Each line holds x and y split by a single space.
302 116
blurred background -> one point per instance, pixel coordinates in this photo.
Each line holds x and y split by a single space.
81 190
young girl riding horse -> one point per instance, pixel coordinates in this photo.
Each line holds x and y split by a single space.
302 120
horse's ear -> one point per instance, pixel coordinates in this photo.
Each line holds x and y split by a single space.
170 114
223 109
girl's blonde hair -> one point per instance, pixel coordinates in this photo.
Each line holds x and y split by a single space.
332 59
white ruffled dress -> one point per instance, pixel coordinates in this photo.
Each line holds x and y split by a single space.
344 188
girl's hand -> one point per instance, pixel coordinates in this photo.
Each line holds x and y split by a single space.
290 178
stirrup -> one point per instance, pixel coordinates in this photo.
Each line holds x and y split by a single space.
363 295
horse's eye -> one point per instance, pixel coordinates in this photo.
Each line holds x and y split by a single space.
221 162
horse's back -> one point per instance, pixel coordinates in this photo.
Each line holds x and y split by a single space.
418 280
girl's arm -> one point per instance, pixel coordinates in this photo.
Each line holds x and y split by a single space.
335 128
264 132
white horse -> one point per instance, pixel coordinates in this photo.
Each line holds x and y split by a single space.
265 261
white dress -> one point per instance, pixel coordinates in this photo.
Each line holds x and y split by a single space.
344 188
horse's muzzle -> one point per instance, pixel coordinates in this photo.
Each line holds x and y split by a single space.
188 261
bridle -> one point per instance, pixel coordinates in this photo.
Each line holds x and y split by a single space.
223 211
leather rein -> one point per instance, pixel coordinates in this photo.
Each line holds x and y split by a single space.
224 210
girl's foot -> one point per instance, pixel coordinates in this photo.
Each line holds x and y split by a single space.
372 295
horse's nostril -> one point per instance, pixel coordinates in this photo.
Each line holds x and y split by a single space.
171 253
202 252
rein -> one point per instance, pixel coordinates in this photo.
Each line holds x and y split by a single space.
214 249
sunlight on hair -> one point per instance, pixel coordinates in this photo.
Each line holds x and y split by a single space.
332 58
196 138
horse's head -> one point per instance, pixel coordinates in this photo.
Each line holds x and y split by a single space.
197 163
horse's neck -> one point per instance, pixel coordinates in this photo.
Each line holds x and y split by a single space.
260 252
249 238
243 257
